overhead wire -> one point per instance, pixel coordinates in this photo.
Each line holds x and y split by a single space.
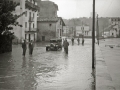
102 6
108 7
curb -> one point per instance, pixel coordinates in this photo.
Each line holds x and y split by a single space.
103 78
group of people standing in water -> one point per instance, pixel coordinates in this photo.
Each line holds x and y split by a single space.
66 43
78 40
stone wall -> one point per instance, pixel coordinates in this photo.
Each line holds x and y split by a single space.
46 29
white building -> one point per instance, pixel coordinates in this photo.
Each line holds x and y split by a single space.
28 20
113 30
65 30
83 30
114 26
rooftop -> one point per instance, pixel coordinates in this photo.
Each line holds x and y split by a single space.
52 19
45 19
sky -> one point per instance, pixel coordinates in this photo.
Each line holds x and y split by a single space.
83 8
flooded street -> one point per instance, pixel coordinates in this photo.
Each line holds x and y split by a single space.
112 59
52 70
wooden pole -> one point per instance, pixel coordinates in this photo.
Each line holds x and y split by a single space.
97 30
93 36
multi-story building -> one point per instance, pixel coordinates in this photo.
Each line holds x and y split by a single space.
28 20
49 28
114 26
65 30
48 9
49 24
83 30
113 29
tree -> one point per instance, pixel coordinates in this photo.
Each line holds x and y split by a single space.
7 20
7 17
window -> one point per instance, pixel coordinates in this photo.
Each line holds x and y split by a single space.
33 15
25 36
26 13
30 14
37 14
33 25
60 32
112 33
25 24
50 24
60 23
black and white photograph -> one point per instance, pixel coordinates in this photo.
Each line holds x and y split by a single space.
59 44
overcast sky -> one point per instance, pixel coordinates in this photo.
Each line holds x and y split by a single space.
83 8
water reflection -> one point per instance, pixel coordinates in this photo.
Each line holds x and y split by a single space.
29 74
43 69
24 62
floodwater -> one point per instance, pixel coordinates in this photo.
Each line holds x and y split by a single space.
52 70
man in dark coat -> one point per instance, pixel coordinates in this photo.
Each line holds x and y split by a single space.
66 44
24 47
72 41
82 41
78 41
31 46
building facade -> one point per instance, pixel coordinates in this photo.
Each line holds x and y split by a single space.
115 27
65 30
49 28
83 31
49 24
59 27
48 9
28 21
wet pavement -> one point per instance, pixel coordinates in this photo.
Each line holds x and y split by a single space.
112 59
52 70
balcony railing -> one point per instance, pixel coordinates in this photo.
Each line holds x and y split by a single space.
30 5
32 30
31 19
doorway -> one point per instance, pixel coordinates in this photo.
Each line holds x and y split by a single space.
43 38
60 33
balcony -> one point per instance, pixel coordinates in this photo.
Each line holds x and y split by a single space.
31 19
30 5
31 31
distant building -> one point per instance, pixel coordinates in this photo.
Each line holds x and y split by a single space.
59 27
79 31
28 20
48 9
65 30
49 28
49 24
83 31
115 26
113 30
110 31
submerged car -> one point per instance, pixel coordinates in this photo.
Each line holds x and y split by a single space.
55 44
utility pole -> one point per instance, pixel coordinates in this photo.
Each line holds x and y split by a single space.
82 29
103 31
93 36
66 32
97 30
